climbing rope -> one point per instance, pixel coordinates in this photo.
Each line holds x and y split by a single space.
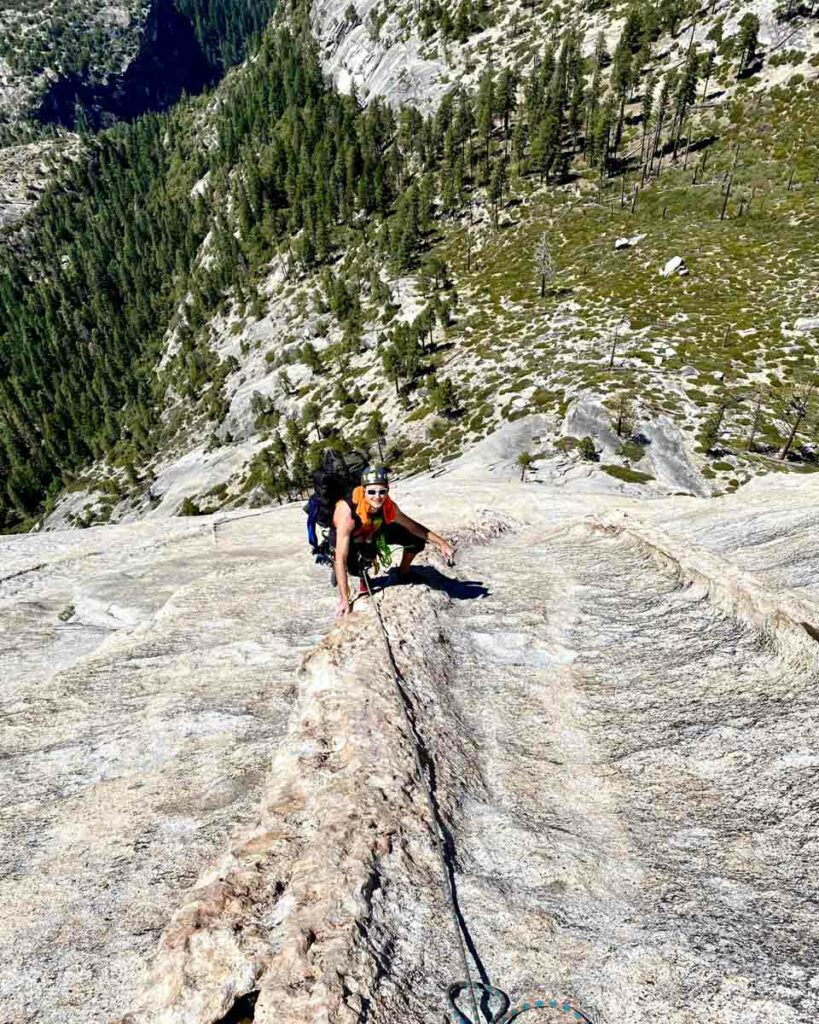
416 743
507 1011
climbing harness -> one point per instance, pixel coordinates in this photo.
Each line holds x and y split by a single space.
507 1011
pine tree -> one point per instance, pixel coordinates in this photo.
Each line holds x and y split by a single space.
497 188
622 77
376 432
685 93
485 108
747 41
646 108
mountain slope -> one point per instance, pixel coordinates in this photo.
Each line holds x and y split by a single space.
345 253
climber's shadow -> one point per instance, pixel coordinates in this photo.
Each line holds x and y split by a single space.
428 575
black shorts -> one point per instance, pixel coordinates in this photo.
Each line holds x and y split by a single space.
396 536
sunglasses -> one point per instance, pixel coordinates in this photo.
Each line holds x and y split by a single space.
376 492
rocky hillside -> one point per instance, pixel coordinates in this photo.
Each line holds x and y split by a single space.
68 61
73 66
604 218
413 53
548 262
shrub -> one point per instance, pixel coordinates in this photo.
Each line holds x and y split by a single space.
628 476
310 357
588 450
189 508
417 414
631 451
542 397
567 444
437 429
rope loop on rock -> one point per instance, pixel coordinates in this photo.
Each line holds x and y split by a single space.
508 1011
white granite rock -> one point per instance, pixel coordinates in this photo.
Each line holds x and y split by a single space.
676 265
618 696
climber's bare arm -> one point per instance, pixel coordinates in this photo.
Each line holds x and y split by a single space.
344 524
419 530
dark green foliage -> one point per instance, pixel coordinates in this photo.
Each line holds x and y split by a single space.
470 16
311 358
711 428
402 356
631 451
90 48
567 444
747 42
444 398
583 446
189 508
92 283
588 449
525 460
376 433
77 342
224 28
62 41
113 247
627 475
265 414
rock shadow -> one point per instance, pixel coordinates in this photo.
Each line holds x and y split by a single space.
170 63
428 575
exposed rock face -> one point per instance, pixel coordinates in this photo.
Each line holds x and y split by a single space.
136 736
620 707
676 265
386 63
651 743
22 176
665 457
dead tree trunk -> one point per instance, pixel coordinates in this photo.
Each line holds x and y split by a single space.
754 424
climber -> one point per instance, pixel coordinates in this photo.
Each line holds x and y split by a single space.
365 524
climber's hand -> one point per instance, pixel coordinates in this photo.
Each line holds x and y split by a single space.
343 609
447 553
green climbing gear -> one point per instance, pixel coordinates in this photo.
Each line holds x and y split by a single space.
383 552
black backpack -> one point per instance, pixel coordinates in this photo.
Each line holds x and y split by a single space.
338 474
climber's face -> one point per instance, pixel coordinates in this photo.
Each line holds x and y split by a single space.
376 495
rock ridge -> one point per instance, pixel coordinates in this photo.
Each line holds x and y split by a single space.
791 623
303 916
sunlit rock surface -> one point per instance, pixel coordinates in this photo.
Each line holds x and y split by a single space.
620 700
137 734
376 62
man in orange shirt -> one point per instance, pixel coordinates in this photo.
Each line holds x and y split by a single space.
365 524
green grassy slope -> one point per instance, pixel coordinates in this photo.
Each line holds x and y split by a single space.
751 276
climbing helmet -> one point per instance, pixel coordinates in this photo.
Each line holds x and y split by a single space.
375 475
